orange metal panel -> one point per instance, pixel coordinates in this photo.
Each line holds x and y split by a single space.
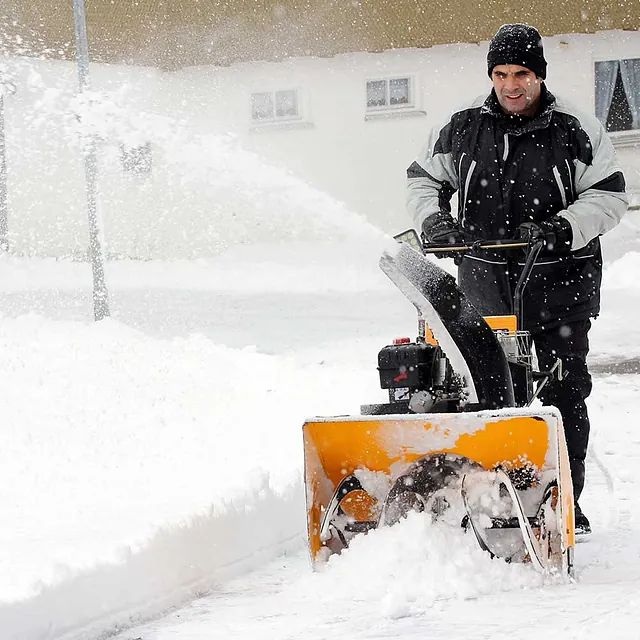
504 323
335 449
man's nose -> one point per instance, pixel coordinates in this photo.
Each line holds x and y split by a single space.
510 83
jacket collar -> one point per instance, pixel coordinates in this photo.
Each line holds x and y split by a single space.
517 125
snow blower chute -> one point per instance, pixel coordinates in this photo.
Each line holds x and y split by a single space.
457 439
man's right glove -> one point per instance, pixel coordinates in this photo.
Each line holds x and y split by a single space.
555 231
441 228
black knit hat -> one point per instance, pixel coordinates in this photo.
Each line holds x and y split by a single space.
517 44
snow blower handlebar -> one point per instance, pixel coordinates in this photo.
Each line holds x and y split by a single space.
466 247
534 250
410 236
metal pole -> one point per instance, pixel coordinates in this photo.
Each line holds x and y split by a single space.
100 294
4 214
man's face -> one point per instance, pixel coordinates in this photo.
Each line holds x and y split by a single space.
518 89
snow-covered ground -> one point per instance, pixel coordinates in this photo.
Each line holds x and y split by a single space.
157 456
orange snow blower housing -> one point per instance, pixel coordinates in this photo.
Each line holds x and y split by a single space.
457 440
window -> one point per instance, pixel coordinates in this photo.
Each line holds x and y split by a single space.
389 94
275 106
618 94
136 159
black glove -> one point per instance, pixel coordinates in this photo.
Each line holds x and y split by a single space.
556 233
441 228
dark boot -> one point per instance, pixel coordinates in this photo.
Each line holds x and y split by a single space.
582 525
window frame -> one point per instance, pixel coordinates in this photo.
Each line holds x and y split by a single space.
387 106
626 137
275 119
388 110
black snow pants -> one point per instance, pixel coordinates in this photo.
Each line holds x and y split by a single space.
570 343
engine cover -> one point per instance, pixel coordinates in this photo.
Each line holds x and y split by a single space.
410 365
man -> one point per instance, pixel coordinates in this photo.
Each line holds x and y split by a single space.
526 166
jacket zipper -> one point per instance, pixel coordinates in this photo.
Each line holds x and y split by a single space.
505 153
573 189
472 166
460 163
558 177
460 205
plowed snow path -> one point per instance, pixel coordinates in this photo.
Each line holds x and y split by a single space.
285 600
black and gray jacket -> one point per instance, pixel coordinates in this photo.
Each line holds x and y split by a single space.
507 170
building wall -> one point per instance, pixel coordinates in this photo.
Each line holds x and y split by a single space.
363 162
213 172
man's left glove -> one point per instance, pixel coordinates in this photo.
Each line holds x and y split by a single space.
556 233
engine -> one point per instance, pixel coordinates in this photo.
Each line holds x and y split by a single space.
419 379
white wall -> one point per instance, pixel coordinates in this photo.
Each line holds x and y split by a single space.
213 173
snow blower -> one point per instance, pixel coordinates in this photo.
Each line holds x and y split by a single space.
457 440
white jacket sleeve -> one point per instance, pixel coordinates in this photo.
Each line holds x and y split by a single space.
600 189
432 178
